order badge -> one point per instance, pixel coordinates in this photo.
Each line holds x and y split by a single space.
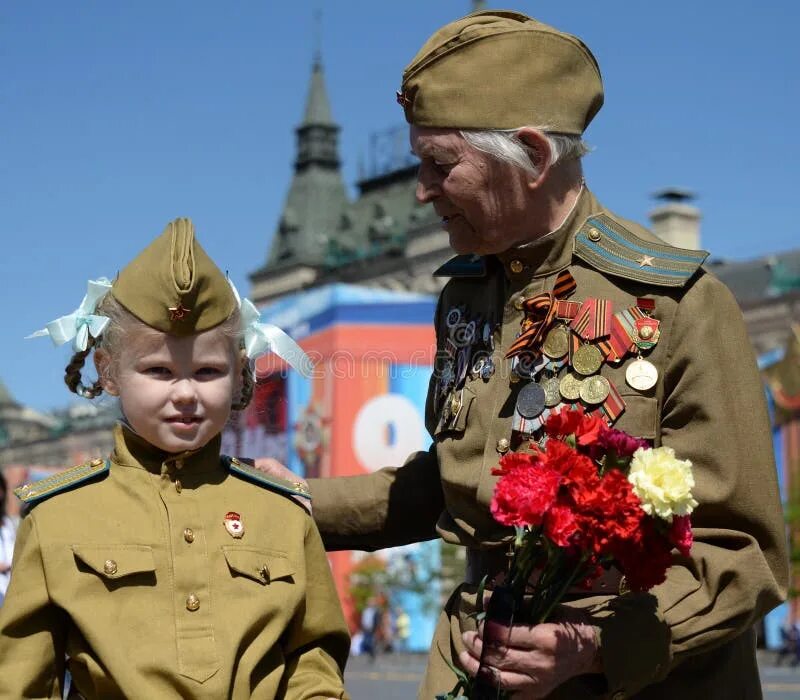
234 525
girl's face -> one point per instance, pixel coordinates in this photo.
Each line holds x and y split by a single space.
176 393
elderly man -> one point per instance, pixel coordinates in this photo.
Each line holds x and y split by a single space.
497 104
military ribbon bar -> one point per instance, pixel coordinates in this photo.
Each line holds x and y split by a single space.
593 319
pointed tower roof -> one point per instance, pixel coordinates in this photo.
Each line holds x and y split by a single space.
317 198
318 108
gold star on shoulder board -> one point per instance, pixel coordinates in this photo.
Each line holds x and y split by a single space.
646 261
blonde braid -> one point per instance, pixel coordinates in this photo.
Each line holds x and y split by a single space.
248 384
72 374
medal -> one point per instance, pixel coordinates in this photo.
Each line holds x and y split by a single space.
570 386
595 389
587 359
556 343
641 374
530 400
234 525
647 332
552 394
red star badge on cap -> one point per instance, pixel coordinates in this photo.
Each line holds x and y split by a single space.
179 312
402 99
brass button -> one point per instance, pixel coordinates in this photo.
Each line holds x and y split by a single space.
455 404
518 302
178 464
192 603
503 445
188 535
263 572
178 486
516 266
96 462
110 567
619 695
594 235
514 378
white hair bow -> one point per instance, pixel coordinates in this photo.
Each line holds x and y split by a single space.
261 338
82 322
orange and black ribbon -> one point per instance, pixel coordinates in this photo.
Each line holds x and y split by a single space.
540 311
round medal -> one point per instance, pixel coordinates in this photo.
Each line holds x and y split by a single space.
641 374
587 359
595 389
552 394
556 344
530 400
570 386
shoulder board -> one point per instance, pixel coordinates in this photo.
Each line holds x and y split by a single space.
609 247
62 481
463 266
250 473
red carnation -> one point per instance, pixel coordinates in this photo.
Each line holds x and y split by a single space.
560 525
645 558
589 429
523 496
563 422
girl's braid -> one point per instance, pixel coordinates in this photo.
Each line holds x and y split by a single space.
248 384
72 374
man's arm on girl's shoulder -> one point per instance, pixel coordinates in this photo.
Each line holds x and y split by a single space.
317 641
32 629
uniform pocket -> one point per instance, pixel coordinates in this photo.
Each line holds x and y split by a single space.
640 417
116 561
261 565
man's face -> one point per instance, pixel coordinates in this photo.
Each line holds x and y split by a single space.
482 201
176 393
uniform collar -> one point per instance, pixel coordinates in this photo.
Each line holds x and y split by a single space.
132 450
553 251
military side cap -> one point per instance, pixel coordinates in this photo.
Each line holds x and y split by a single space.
173 286
273 483
61 481
609 247
502 70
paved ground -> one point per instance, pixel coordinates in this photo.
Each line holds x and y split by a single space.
396 677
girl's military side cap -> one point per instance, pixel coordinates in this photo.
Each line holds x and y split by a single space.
502 70
173 286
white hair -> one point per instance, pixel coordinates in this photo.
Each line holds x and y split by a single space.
506 146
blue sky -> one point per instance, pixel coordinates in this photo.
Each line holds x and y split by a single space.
117 117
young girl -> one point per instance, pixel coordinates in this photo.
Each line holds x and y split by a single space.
169 570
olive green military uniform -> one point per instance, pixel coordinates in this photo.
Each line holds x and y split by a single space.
133 583
169 575
692 638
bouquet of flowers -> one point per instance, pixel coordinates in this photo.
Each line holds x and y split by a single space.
593 497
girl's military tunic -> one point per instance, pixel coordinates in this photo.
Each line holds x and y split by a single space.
171 576
692 636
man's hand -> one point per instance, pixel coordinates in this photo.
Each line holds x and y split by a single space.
534 660
275 468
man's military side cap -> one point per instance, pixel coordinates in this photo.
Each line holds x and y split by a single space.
502 70
173 286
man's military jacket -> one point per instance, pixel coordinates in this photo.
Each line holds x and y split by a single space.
169 576
690 637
